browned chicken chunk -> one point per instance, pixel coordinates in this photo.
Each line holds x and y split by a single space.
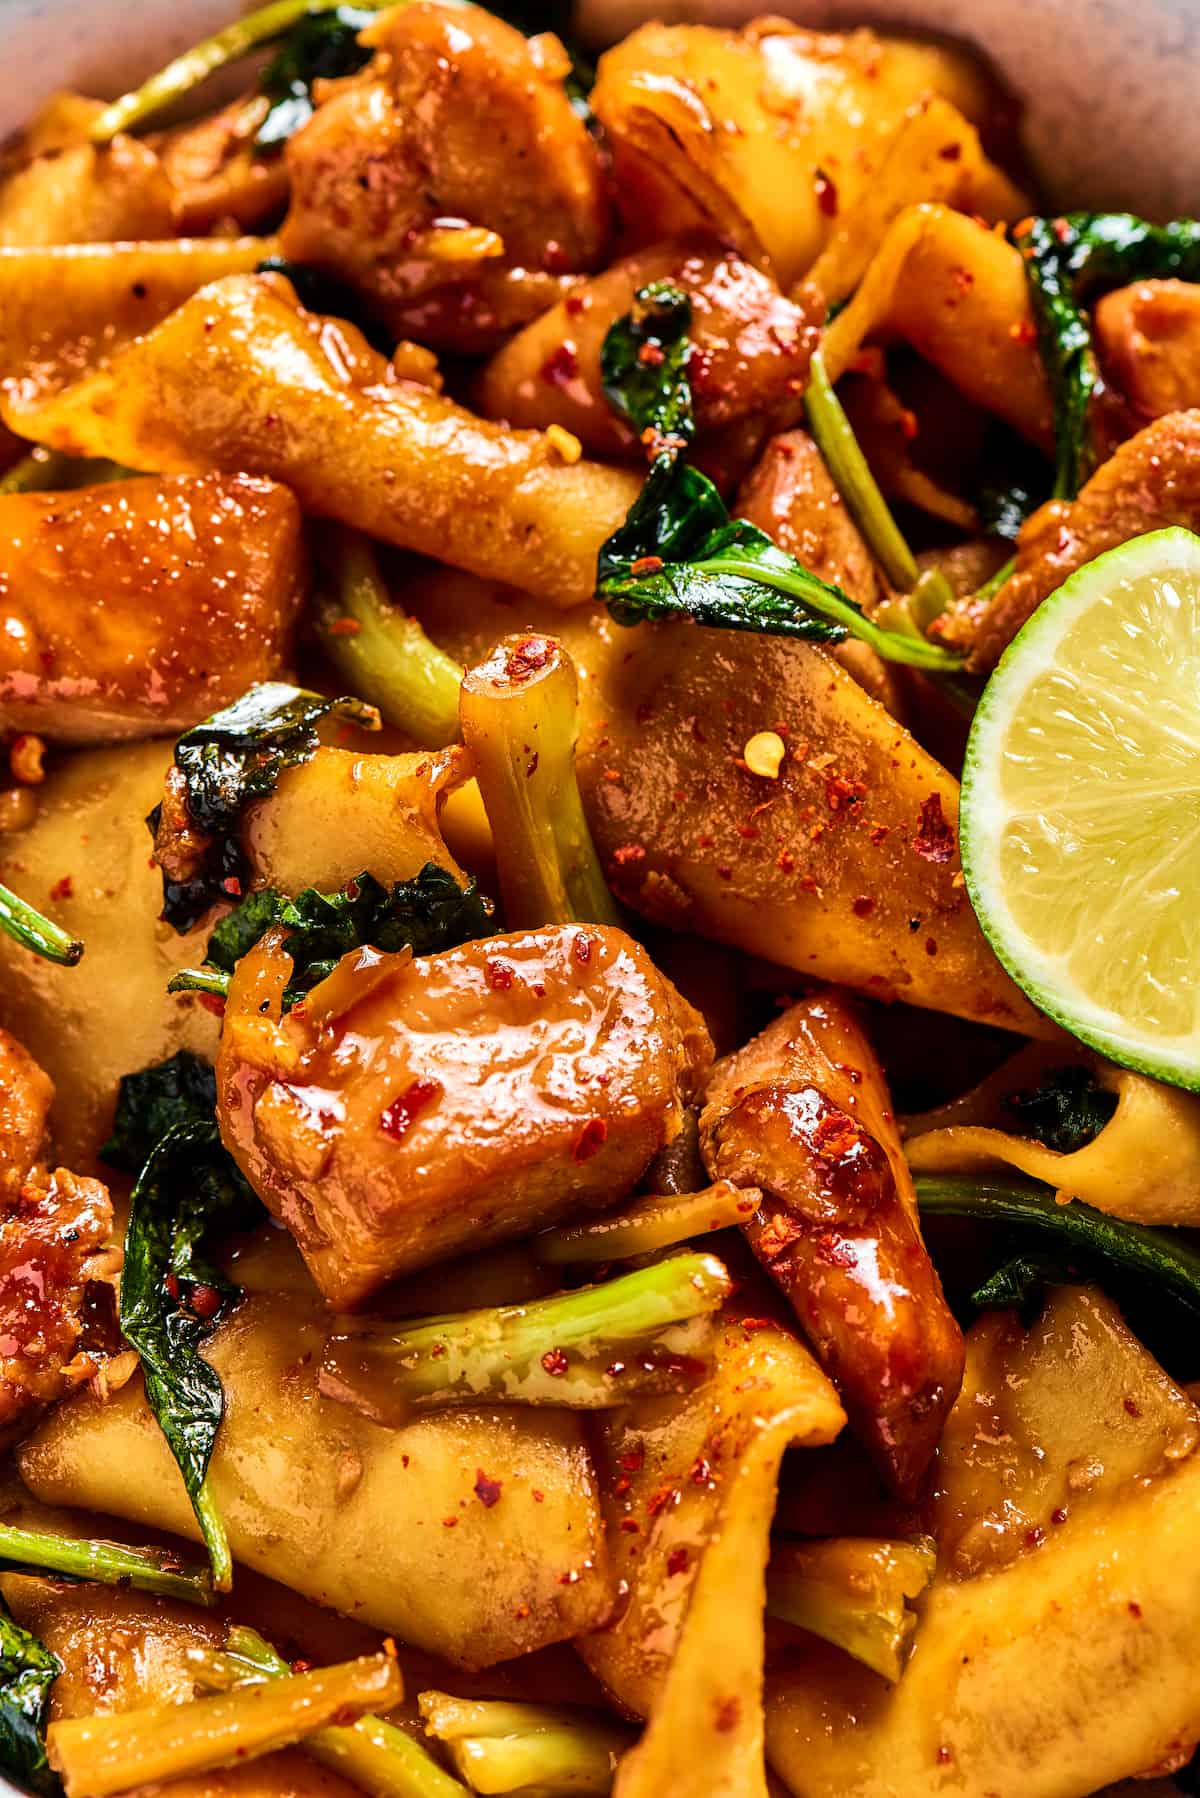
1148 339
1152 481
53 1228
750 348
139 607
409 1109
803 1113
457 160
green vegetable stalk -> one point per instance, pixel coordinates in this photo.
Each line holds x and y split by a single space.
204 59
27 926
853 1591
520 718
154 1570
101 1755
188 1194
855 482
1068 261
373 1753
27 1672
384 654
589 1349
1165 1259
658 1222
526 1748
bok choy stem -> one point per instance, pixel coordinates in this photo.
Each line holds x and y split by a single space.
27 926
154 1570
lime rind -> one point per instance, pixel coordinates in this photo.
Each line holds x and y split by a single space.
1141 710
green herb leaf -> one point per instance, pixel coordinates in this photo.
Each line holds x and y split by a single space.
643 367
188 1195
1068 261
182 1090
229 761
427 913
322 46
1066 1110
27 1671
1018 1284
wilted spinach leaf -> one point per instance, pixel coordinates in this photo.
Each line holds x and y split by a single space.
643 367
1066 1110
27 1671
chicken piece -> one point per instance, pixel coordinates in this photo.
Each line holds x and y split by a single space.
137 608
54 1229
803 1113
410 1108
1148 339
791 495
459 149
87 195
763 136
240 377
216 172
1152 481
845 867
750 348
26 1092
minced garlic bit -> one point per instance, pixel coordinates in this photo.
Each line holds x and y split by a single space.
565 442
764 754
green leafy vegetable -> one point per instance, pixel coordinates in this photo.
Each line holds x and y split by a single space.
679 554
27 926
427 913
188 1195
1075 1233
229 761
1066 1110
1018 1284
27 1671
1068 261
643 367
155 1570
322 46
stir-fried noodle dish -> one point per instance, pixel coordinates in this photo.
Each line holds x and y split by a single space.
600 927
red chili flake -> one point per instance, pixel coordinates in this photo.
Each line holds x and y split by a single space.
701 1471
561 366
573 304
964 280
944 1756
343 627
1024 331
634 1461
1132 1407
521 1612
863 907
205 1301
725 871
527 657
301 1666
591 1138
1035 1537
570 1577
581 948
171 1284
785 861
748 831
631 1526
950 152
645 565
487 1490
840 792
879 832
402 1113
755 1323
539 1497
629 852
1134 1608
726 1714
449 1523
658 1500
499 974
651 355
827 194
62 889
555 1362
1059 1515
677 1561
623 1484
934 841
212 1002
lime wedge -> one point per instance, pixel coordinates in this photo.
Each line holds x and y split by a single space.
1080 813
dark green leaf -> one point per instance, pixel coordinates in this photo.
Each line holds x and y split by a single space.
1069 261
643 367
189 1195
322 46
229 761
182 1090
1018 481
27 1671
1017 1285
1066 1110
427 913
